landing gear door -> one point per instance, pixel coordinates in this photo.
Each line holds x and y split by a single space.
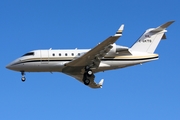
44 56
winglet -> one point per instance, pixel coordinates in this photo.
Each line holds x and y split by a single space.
101 83
162 27
120 30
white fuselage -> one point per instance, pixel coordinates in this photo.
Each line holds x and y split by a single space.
55 60
84 63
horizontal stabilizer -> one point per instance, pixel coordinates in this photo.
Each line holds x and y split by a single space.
162 27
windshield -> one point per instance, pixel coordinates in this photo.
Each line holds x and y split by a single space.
28 54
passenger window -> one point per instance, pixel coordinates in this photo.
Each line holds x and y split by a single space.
53 54
72 54
79 54
59 54
66 54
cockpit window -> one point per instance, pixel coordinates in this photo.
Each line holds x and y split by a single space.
28 54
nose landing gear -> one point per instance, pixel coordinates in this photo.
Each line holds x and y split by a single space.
23 78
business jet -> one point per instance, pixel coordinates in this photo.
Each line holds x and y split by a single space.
82 64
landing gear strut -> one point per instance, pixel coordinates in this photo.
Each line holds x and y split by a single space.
23 78
87 74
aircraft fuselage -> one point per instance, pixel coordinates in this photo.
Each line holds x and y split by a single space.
55 60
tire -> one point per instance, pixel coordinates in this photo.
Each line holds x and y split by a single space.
86 81
87 68
23 79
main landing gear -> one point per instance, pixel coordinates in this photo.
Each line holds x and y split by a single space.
23 78
87 74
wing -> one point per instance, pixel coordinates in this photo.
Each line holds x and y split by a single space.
91 59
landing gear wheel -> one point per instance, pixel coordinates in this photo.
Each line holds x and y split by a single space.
23 79
89 72
87 75
87 68
86 81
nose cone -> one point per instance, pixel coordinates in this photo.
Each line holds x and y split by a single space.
13 66
9 66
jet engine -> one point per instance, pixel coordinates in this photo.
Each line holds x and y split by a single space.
115 49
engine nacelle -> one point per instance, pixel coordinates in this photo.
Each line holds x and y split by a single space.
112 52
115 49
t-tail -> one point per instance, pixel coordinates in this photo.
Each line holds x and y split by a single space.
149 41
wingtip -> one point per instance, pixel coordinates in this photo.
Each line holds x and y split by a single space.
121 27
120 30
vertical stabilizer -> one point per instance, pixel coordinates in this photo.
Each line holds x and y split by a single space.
149 41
